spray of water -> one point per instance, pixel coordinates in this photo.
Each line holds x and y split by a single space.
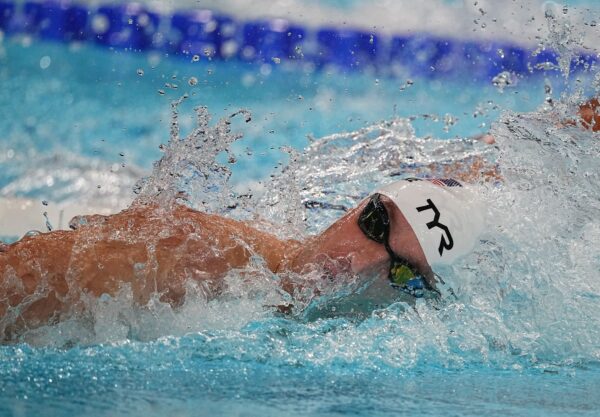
190 167
529 295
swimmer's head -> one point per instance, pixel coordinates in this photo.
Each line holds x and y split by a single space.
442 221
444 215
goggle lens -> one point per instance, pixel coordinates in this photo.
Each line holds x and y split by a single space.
401 273
374 221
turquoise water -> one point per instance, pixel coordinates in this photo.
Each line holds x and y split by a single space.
248 373
106 108
521 341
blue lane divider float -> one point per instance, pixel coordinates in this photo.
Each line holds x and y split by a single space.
55 20
204 33
276 39
347 49
128 26
7 11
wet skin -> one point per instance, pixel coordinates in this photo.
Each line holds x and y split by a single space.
156 251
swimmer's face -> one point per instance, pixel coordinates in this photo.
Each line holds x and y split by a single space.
344 251
407 273
344 248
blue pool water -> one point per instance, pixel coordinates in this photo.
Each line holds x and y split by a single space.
522 340
135 116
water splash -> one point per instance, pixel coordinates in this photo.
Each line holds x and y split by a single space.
527 297
335 172
503 80
537 274
564 38
189 169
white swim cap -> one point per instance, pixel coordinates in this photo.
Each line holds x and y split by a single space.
443 213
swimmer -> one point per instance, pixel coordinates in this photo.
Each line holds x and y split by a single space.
400 233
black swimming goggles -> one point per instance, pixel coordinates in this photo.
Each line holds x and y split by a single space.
374 221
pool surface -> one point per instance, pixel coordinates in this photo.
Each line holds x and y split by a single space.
83 122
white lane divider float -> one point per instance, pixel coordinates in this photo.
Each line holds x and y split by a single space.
20 215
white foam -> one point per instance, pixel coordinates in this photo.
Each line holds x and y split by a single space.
20 215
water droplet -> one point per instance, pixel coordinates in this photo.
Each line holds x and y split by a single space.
45 62
449 121
565 9
371 39
503 80
193 81
44 202
276 60
140 72
121 154
100 24
196 58
161 92
48 225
